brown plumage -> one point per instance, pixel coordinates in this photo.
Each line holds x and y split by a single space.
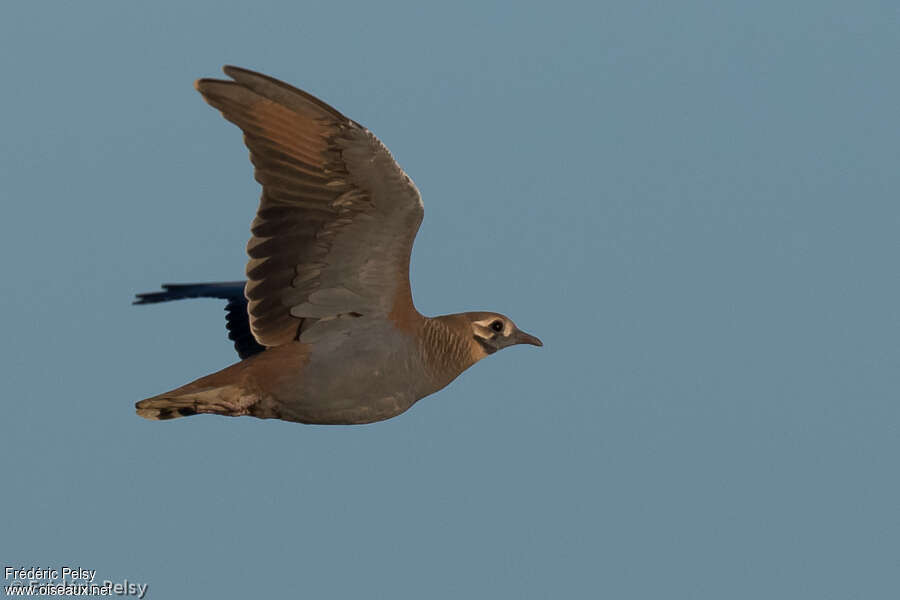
331 334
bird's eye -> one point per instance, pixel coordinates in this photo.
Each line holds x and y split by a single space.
497 326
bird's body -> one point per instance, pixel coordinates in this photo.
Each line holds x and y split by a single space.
325 323
371 373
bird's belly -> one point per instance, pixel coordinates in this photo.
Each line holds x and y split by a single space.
365 385
362 398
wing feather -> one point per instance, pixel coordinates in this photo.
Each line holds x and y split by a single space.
337 218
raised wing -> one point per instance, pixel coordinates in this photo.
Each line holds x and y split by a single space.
336 222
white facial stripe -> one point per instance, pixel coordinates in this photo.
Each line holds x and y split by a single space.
486 323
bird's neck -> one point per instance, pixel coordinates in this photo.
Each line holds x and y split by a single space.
448 347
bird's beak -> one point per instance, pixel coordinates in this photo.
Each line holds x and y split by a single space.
526 338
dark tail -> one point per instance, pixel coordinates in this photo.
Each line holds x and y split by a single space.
236 317
226 290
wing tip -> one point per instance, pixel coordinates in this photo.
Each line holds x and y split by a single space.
234 72
205 85
229 70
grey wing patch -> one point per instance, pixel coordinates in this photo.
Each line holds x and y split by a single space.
329 302
330 327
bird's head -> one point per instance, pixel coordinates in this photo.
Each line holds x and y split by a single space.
494 332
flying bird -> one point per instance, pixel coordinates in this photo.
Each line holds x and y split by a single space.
325 324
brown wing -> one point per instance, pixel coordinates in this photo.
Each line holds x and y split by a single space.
337 218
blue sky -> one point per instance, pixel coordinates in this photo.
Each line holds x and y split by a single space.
694 205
